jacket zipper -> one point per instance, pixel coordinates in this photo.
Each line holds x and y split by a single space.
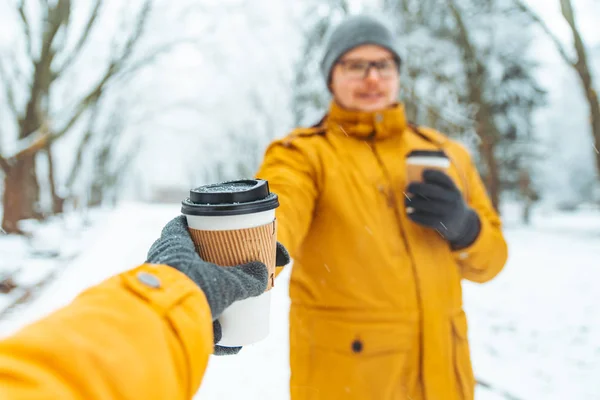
391 197
389 194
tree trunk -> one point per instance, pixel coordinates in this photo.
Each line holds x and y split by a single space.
596 128
477 80
526 214
528 195
21 191
583 70
57 201
492 179
594 104
96 194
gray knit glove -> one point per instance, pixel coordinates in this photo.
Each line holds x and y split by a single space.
222 286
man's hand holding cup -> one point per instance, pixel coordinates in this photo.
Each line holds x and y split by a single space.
433 200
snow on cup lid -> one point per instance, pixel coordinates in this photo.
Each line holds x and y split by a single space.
230 198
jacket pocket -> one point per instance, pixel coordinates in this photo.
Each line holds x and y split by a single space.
337 359
362 339
462 357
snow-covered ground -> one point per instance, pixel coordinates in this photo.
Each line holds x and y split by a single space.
535 330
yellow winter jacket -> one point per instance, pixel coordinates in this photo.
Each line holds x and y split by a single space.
127 338
376 302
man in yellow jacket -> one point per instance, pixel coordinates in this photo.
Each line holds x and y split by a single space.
144 334
376 302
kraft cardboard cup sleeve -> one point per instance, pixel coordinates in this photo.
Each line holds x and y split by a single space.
420 160
233 223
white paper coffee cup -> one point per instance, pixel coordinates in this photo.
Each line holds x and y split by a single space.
420 160
233 223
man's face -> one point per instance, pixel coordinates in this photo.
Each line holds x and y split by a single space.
359 86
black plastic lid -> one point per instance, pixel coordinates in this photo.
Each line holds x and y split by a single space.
427 153
239 197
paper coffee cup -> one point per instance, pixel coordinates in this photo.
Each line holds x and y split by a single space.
233 223
420 160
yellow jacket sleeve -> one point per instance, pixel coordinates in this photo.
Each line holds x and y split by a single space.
486 257
144 334
291 175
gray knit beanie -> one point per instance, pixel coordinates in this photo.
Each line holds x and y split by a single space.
353 32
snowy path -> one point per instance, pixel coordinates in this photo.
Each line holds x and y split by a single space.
535 330
118 243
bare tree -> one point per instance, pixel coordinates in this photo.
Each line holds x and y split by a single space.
579 63
108 165
310 93
431 91
466 74
51 50
477 76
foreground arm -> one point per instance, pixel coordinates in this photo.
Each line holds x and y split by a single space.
144 334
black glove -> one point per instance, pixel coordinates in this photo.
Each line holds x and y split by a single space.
437 203
222 286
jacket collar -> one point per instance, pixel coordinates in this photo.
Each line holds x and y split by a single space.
380 124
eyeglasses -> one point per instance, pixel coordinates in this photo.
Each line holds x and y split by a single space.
359 69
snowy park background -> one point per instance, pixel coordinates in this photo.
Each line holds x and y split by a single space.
236 74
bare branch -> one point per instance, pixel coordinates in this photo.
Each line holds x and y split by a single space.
81 42
536 18
569 15
83 105
4 165
125 162
39 142
26 28
9 91
473 64
57 17
136 34
585 74
153 54
115 67
87 137
32 144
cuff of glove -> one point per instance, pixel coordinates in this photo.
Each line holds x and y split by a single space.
470 234
222 350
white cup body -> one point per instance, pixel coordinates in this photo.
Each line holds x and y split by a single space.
246 321
439 162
